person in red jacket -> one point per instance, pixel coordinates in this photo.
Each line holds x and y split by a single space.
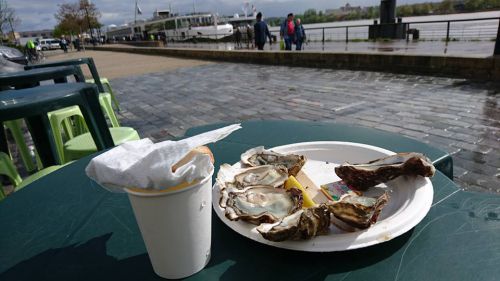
287 32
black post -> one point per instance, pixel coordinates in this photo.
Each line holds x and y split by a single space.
88 21
497 43
408 34
448 32
346 34
323 40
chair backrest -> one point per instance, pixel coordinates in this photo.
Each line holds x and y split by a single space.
8 169
88 61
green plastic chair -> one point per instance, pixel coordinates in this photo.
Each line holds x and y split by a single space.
15 128
33 104
8 169
83 145
105 83
105 101
69 122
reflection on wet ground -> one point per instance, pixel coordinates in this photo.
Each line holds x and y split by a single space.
462 48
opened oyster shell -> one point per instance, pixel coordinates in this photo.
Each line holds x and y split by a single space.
259 156
260 204
240 178
363 176
301 225
357 211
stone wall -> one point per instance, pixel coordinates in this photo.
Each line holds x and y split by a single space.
144 43
487 68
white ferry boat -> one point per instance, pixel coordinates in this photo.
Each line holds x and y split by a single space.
174 28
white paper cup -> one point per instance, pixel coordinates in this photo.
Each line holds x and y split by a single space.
176 227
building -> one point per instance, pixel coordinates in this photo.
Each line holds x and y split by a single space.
23 36
45 33
344 10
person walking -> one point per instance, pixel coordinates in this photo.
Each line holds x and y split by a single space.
249 36
64 44
300 35
261 32
287 32
237 37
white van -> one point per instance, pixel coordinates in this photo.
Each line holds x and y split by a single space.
50 44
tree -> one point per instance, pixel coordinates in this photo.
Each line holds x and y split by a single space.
404 10
446 7
74 18
8 18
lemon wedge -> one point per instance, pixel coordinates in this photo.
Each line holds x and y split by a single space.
292 182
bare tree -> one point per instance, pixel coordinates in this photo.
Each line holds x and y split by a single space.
8 18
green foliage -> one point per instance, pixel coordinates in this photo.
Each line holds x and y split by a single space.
73 18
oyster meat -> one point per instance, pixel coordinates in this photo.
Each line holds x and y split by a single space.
301 225
238 178
363 176
357 211
259 156
261 204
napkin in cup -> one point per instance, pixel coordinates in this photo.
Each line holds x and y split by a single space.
148 165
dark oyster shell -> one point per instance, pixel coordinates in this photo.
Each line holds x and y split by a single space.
363 176
304 224
358 211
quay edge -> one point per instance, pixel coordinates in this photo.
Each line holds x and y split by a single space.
474 68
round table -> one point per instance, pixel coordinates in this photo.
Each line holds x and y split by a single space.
65 227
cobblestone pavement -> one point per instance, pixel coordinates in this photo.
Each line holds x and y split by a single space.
455 115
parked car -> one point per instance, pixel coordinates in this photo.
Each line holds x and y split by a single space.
13 55
50 44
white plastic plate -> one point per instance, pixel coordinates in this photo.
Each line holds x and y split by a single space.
410 198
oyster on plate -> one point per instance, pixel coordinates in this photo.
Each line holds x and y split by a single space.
240 178
259 156
301 225
357 211
260 204
363 176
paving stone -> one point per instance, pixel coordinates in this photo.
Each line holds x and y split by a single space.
456 115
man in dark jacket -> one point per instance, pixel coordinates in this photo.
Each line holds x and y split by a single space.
261 32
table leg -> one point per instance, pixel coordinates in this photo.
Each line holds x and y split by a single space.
97 125
41 133
3 140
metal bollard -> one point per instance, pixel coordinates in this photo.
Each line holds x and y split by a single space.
448 32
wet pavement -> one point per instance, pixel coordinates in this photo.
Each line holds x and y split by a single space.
455 115
438 47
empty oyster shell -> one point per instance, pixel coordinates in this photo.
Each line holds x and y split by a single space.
358 211
261 204
301 225
363 176
240 178
259 156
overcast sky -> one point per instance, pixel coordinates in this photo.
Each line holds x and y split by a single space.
39 14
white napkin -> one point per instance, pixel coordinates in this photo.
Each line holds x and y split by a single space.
144 164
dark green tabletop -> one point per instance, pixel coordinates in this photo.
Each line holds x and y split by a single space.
63 227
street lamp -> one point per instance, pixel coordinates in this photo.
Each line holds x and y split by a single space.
87 3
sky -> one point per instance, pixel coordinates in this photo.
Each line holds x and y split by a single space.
39 14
